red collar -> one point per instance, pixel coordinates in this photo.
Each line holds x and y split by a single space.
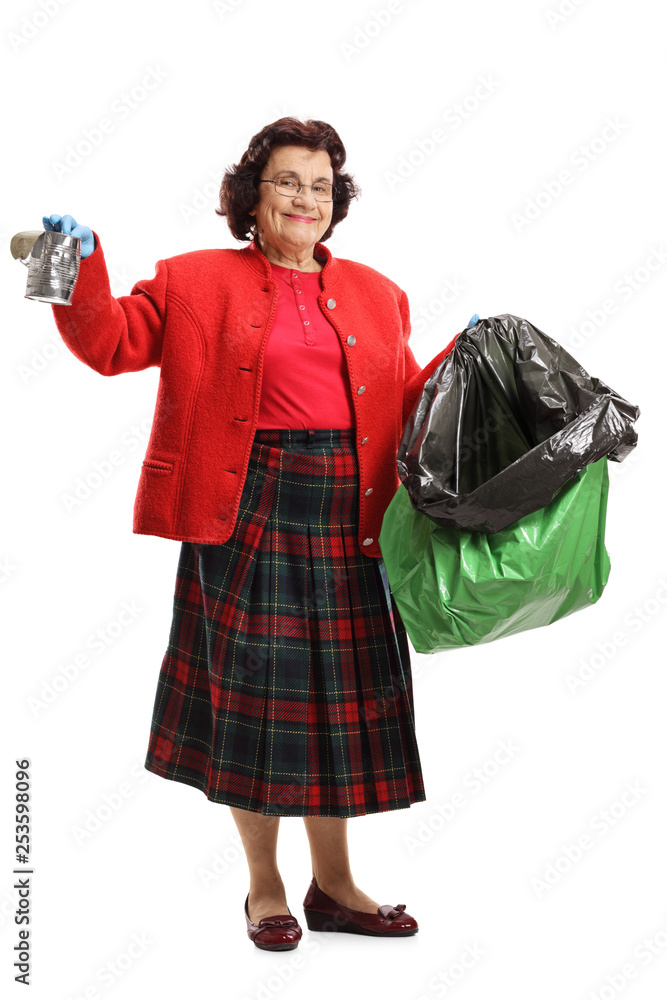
260 262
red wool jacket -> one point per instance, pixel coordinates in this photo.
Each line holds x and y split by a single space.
192 320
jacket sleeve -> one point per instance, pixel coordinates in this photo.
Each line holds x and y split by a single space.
111 335
415 377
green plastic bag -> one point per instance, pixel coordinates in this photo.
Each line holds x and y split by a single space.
454 587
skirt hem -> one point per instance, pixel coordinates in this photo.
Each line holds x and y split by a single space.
196 781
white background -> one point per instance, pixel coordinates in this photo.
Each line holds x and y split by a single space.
220 73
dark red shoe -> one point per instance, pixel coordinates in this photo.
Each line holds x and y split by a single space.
324 914
273 933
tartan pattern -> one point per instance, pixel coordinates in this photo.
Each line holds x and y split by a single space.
286 687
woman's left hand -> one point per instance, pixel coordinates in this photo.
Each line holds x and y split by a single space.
473 320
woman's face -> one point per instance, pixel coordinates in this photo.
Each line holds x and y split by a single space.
293 223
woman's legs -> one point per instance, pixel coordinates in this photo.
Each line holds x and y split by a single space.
330 860
259 835
331 863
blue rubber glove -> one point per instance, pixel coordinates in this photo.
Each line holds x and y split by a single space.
474 319
66 224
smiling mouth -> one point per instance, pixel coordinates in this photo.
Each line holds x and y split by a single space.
299 218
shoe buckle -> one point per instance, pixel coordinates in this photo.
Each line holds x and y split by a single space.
277 922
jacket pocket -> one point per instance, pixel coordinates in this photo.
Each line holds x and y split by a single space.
158 466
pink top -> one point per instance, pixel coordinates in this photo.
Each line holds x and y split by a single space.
305 384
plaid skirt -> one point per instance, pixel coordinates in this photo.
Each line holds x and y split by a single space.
286 686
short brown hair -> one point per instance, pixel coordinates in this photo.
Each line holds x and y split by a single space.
239 191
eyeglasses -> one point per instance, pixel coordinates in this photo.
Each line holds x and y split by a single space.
290 187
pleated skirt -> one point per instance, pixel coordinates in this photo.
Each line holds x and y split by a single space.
286 686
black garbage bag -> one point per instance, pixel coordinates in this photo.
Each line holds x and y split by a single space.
503 423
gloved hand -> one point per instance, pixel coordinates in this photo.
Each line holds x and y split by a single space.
474 319
66 224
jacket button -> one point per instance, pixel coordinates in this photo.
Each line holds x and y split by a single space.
362 388
368 541
351 341
368 491
364 440
331 303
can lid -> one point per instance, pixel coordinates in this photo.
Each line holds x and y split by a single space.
23 242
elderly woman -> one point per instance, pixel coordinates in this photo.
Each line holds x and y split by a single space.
285 382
